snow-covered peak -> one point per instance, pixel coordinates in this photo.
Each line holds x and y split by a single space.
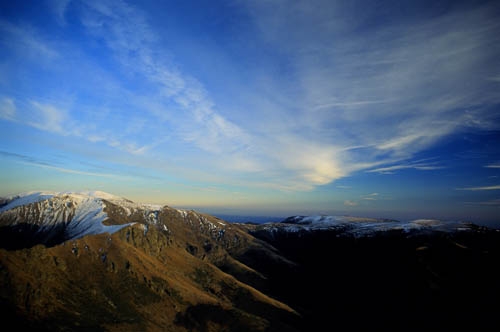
102 194
65 215
360 226
26 198
319 221
38 196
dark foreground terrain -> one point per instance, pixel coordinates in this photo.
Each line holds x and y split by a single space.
170 270
391 280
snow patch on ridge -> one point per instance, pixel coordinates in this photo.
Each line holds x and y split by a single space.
26 198
359 226
88 220
80 213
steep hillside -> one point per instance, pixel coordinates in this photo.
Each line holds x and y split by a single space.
94 261
380 274
156 271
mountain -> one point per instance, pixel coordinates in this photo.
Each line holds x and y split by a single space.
52 218
93 261
346 226
85 261
384 274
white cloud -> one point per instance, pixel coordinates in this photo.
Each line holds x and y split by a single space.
370 197
25 41
350 203
336 101
493 166
351 104
491 203
49 118
395 90
303 164
485 188
59 8
7 108
135 45
297 164
69 170
419 165
494 202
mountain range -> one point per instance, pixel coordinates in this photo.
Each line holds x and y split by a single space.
92 261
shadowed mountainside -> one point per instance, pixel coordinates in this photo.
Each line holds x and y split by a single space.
159 273
127 266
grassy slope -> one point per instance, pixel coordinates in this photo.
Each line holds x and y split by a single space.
137 280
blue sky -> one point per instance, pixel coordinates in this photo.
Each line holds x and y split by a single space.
381 108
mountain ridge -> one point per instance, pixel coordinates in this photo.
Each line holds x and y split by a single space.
154 268
173 259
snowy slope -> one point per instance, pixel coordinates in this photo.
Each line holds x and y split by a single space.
358 226
51 217
26 198
75 214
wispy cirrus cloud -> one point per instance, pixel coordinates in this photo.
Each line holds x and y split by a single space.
493 202
71 171
26 41
395 90
59 8
48 110
48 117
135 45
20 157
37 162
489 203
58 119
421 166
43 116
340 97
229 145
371 197
7 108
492 166
484 188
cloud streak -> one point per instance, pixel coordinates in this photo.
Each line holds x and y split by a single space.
485 188
48 117
341 97
7 109
199 122
371 197
27 41
70 171
397 88
494 202
421 166
490 203
492 166
133 42
59 8
31 161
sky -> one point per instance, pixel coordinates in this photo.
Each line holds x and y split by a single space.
257 107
